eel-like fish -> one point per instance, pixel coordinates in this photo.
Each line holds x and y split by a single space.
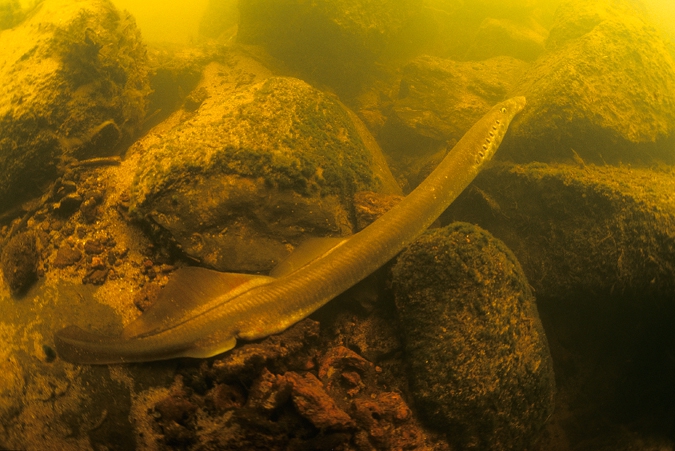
201 313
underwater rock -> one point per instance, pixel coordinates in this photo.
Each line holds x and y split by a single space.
175 71
369 206
478 359
314 404
503 37
269 392
479 29
19 262
604 90
66 256
597 244
277 352
580 229
74 84
438 101
296 392
220 19
250 174
334 42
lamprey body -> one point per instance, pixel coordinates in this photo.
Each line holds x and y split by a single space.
202 313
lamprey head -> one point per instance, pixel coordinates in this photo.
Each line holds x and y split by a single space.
499 118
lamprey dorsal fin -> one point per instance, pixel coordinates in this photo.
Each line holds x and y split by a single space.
305 253
190 292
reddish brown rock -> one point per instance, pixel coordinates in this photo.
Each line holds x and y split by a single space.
175 407
388 422
269 392
225 397
93 247
342 366
291 348
96 276
314 404
19 262
67 256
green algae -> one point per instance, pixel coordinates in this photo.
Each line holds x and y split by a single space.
477 355
281 130
581 229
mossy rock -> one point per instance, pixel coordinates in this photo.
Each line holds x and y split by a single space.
604 90
247 174
335 42
500 37
437 101
19 261
580 229
478 358
597 244
74 85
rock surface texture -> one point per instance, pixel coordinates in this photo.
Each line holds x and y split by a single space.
248 175
603 90
73 83
478 358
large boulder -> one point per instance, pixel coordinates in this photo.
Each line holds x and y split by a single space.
605 90
242 176
475 30
440 99
580 229
478 358
500 37
597 243
437 101
335 42
74 81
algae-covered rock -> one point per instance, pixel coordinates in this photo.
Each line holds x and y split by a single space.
501 37
475 30
605 90
251 173
73 81
438 100
597 243
19 262
334 41
580 229
477 354
11 13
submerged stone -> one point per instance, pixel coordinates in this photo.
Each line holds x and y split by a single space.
438 101
478 358
19 261
580 229
73 81
597 243
251 173
335 42
605 90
